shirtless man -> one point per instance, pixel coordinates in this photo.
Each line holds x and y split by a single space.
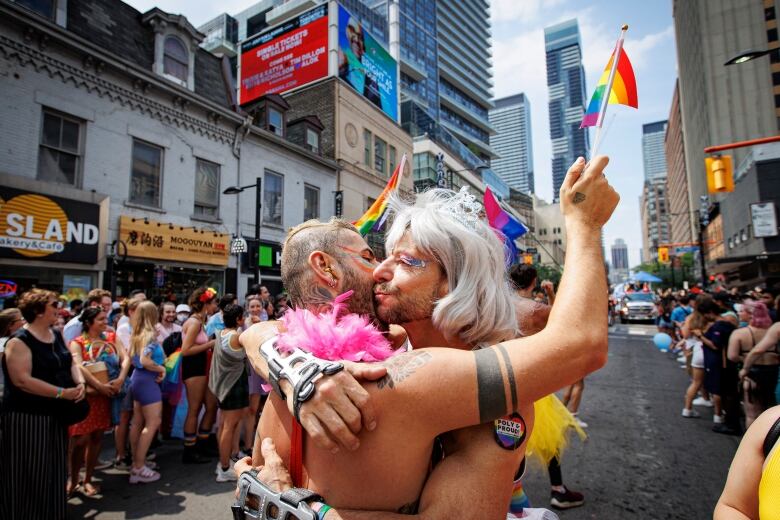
445 376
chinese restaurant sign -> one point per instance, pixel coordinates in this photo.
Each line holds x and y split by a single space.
161 241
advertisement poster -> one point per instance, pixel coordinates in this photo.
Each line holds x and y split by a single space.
366 66
764 219
286 57
76 286
42 227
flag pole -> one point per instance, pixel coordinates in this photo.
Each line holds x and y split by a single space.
608 90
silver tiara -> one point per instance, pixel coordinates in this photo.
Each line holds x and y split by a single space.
464 208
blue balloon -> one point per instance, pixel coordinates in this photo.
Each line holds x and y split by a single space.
662 341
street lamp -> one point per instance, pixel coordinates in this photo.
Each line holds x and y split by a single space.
235 190
749 55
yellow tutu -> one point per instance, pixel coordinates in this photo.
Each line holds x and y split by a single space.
551 425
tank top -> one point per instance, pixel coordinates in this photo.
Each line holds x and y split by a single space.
769 488
51 362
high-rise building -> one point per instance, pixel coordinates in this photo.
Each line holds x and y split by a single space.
619 254
653 155
566 85
511 118
724 104
676 180
655 218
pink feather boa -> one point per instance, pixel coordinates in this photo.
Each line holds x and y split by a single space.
329 336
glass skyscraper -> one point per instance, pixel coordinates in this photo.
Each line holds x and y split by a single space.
567 98
511 118
653 152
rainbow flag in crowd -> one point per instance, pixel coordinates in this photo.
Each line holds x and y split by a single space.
374 217
172 383
502 221
618 81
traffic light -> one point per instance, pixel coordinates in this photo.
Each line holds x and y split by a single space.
663 255
528 259
720 174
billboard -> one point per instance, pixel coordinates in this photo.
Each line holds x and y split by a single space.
286 57
42 227
366 66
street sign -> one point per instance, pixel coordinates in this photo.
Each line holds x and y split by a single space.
681 250
238 246
764 219
531 250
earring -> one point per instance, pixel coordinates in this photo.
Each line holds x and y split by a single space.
332 281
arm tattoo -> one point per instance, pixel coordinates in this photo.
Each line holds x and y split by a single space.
578 197
510 374
490 386
402 366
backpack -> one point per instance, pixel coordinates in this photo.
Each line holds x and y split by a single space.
172 343
771 437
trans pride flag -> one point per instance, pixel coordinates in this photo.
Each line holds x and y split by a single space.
374 217
502 221
617 84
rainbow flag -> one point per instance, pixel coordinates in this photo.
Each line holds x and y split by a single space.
502 221
172 364
623 91
374 217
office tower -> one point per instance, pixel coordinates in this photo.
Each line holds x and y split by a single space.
511 118
676 179
566 85
653 154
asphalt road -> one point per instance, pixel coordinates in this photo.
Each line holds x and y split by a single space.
641 460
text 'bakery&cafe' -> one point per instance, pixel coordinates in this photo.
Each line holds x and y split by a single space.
167 259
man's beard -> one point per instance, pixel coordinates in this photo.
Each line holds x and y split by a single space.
406 307
362 300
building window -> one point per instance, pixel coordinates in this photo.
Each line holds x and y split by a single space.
146 174
273 186
392 158
59 156
771 35
42 7
380 155
206 188
275 121
367 147
311 202
313 140
176 59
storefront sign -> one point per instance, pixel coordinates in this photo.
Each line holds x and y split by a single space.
268 256
52 228
764 219
162 241
7 288
76 286
285 57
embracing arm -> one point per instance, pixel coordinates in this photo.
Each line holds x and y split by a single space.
772 337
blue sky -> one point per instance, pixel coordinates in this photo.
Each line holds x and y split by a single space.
519 66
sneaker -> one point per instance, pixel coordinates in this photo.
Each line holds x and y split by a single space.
727 430
143 475
717 419
104 464
700 401
690 413
150 464
150 455
582 424
228 475
681 358
123 464
567 499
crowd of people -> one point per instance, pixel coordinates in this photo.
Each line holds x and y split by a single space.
73 373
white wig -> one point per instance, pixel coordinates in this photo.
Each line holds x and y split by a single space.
478 307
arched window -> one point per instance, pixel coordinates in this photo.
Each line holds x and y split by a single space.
176 61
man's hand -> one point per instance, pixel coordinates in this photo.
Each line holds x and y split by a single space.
340 407
547 286
273 473
586 197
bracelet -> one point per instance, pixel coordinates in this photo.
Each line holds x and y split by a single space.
59 392
321 509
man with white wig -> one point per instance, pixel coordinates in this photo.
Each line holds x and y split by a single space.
444 281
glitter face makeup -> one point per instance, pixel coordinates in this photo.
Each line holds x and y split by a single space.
363 262
412 261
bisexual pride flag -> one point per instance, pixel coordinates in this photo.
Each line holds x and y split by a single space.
502 221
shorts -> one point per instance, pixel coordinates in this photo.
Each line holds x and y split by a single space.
697 360
194 366
713 371
238 395
255 382
145 389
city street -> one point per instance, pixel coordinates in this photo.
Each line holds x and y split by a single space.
641 460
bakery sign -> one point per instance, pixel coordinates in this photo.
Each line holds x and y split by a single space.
42 227
146 238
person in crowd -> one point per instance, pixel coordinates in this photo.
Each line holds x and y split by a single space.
229 382
412 282
76 305
752 490
148 360
663 321
11 320
256 314
195 350
692 330
680 313
255 311
124 331
182 313
41 379
282 304
167 324
726 307
215 322
100 350
95 298
758 385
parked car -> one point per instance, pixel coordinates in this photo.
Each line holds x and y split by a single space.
638 306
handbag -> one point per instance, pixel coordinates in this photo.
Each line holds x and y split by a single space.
99 371
65 411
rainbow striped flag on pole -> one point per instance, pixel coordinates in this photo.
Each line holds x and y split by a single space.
374 217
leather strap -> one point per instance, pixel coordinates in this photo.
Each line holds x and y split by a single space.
771 437
296 454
